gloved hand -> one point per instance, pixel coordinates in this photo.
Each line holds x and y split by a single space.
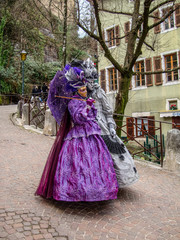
89 102
112 130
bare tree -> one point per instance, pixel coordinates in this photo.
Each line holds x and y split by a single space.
62 13
65 32
141 19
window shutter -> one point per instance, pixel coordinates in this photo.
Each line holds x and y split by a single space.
151 126
130 128
157 28
103 80
117 35
126 30
177 15
157 67
149 69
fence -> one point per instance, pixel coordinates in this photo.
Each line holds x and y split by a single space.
154 142
35 109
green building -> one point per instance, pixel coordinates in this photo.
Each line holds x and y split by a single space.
150 96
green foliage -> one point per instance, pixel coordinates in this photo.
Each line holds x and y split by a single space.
6 49
76 53
37 72
8 80
2 25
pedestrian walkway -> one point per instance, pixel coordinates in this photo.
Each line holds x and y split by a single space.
149 209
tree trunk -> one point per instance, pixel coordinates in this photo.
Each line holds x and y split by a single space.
121 100
65 33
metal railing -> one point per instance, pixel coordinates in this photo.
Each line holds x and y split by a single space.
146 148
36 109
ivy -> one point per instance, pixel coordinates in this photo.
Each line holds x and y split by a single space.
2 26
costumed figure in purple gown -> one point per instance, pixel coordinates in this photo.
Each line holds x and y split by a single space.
124 165
79 166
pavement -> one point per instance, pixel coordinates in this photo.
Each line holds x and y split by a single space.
149 209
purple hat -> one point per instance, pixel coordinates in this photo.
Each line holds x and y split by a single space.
64 83
75 77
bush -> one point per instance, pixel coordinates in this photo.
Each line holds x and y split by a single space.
37 72
8 80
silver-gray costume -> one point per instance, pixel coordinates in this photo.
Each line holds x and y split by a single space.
126 172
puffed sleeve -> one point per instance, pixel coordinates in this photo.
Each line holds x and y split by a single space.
80 112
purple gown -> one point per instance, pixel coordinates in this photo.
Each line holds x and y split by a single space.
84 169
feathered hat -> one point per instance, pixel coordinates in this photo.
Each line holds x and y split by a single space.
90 72
64 84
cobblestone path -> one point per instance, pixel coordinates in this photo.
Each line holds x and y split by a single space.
149 209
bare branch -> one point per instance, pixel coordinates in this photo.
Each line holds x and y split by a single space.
44 15
149 46
156 72
88 32
114 12
160 5
101 41
162 19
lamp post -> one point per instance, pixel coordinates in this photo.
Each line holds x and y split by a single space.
23 58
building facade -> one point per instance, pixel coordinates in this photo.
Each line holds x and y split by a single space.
154 96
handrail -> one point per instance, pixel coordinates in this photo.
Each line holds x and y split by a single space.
157 127
115 114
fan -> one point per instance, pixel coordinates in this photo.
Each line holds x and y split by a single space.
113 144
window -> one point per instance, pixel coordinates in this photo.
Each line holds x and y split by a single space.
173 105
103 79
140 78
112 74
140 127
170 63
113 36
169 22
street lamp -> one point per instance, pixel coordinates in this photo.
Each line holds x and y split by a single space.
23 58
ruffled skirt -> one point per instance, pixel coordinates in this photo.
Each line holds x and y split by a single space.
85 171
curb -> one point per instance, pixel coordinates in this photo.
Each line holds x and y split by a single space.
31 128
